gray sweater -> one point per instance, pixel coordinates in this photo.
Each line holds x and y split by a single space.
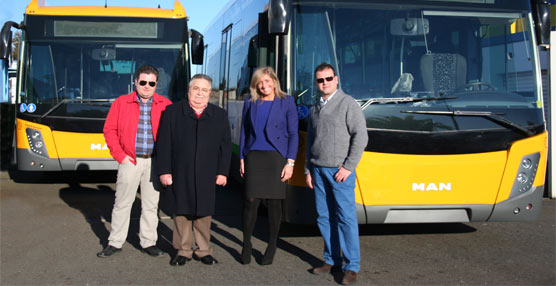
336 133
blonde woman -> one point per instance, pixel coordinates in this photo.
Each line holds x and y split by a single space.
268 148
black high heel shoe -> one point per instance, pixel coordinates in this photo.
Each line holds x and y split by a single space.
246 253
268 257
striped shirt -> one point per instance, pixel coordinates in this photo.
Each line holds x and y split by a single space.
144 141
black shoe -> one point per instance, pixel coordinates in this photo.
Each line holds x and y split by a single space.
108 251
268 257
208 260
179 260
153 251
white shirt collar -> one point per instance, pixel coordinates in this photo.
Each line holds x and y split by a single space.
328 99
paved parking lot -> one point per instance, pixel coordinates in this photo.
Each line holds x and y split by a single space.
50 234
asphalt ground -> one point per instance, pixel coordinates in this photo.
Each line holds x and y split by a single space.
50 233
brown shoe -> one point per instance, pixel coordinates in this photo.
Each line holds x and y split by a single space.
350 277
324 268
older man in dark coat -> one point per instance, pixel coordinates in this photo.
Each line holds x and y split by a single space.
194 152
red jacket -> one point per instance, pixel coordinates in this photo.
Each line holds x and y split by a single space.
120 128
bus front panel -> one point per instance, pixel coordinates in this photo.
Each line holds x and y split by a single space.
449 91
70 76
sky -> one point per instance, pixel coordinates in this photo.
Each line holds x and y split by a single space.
200 12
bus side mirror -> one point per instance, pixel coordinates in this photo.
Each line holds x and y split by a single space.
541 17
262 41
278 17
6 39
197 47
252 54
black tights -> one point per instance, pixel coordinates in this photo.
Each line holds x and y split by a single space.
249 220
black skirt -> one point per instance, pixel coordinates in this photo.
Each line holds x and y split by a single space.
263 170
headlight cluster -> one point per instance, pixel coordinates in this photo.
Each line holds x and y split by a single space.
526 174
36 142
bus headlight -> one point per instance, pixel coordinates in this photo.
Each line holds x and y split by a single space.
522 178
527 163
36 142
526 174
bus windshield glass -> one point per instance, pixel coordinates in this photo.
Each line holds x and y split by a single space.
437 60
58 70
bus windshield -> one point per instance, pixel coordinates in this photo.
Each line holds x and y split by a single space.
58 70
460 60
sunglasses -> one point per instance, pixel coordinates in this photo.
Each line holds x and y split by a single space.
143 82
321 80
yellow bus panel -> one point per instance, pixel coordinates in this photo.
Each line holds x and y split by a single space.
35 9
394 179
535 144
400 179
81 145
23 143
298 176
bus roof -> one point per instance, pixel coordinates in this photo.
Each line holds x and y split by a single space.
35 9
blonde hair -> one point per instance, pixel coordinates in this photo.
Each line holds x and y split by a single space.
259 73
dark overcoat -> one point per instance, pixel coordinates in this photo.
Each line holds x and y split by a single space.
194 150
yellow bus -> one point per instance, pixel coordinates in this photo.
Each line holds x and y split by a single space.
450 89
74 61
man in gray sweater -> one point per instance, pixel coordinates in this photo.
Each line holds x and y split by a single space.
336 139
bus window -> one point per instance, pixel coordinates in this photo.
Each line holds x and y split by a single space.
313 46
41 76
81 74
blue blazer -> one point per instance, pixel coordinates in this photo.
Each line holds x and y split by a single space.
280 129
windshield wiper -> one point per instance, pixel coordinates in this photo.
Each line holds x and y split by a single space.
486 114
383 100
67 100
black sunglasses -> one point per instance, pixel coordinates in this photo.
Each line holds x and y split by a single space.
143 82
321 80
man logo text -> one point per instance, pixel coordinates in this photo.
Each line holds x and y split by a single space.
432 187
99 147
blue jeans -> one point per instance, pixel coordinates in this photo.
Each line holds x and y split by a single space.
337 217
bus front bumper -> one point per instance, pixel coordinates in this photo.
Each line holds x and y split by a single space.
29 161
300 208
524 207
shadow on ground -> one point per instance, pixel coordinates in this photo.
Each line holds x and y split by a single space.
62 177
96 206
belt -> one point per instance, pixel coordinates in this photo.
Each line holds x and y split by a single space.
144 156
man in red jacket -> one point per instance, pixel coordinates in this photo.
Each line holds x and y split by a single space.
130 132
